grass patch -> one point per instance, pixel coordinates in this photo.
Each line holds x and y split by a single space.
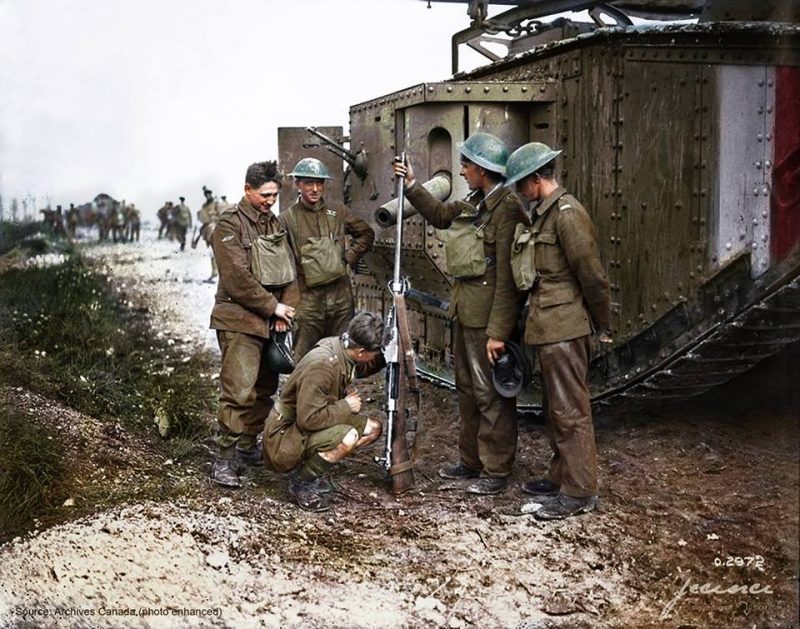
65 333
31 466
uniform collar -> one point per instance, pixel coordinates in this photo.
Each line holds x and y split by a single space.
495 196
549 200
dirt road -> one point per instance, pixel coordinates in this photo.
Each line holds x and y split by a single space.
697 525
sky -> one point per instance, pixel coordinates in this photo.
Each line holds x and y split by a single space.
148 100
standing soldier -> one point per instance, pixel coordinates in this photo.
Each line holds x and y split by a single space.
183 222
317 232
569 299
164 213
485 305
256 296
316 421
117 221
72 220
224 206
134 222
207 216
58 224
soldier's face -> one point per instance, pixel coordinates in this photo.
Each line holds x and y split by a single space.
311 190
264 197
529 187
472 174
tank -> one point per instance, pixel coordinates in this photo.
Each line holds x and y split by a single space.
682 139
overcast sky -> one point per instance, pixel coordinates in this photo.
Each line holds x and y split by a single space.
148 100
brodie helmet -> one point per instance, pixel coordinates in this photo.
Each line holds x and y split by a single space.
511 371
527 159
279 352
487 151
310 168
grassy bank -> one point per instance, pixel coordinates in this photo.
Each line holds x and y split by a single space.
67 335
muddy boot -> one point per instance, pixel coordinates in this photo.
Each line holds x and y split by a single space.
540 487
487 486
563 506
308 495
325 485
458 471
250 453
225 470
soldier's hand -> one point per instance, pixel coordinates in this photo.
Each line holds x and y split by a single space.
280 325
404 170
494 349
282 311
353 400
604 337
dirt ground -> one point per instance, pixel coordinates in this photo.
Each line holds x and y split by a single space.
697 524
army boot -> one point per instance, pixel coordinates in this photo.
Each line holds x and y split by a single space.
249 452
308 495
225 470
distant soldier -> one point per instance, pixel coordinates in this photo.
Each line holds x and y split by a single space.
485 305
255 299
72 220
207 216
183 222
224 205
59 224
164 213
117 222
318 231
568 301
133 223
316 422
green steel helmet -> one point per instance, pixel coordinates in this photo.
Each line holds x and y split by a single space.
310 168
512 371
527 159
487 151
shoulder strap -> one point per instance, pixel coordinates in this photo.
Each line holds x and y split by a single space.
246 241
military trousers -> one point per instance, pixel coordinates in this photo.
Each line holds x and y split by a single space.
246 386
488 434
564 367
323 311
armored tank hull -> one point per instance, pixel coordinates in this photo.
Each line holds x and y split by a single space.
683 142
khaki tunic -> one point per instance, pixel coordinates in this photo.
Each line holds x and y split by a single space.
491 301
572 293
312 400
483 307
324 310
241 303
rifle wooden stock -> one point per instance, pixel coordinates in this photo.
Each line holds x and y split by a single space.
401 470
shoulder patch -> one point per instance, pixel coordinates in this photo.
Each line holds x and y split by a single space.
565 206
227 238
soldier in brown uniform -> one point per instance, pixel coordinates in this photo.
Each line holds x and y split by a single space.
248 305
569 300
316 421
207 216
318 231
485 306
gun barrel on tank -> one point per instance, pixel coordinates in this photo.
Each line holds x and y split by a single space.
440 186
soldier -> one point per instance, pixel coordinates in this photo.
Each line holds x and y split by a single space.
249 306
183 222
569 300
58 223
317 233
316 423
207 216
72 220
116 221
224 206
134 223
164 214
485 305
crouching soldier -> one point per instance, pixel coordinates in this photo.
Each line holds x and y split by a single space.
316 423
